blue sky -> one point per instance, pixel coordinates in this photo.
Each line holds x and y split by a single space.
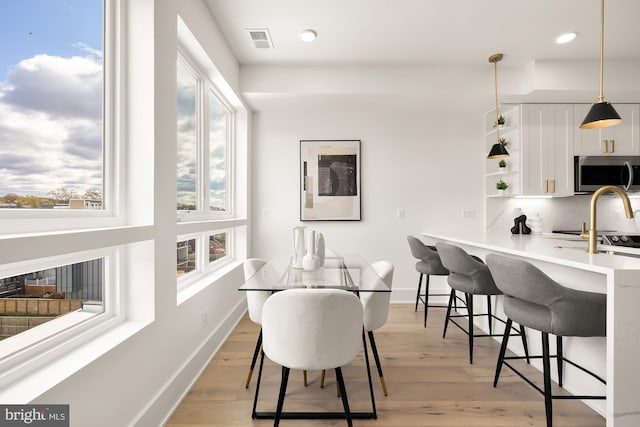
54 27
50 96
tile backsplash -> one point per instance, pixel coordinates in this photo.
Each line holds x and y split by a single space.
565 213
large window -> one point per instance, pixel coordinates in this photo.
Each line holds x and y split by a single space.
51 104
61 278
204 136
30 299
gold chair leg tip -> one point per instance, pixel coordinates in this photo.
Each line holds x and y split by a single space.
248 378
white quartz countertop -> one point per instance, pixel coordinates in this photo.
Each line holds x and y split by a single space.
561 249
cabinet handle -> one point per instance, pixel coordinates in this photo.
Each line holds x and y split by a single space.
553 185
546 185
613 145
606 146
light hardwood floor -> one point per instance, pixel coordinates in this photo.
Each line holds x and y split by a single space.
430 383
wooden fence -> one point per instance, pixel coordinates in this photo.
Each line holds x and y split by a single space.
38 306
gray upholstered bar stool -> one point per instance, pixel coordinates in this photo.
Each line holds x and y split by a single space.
470 275
428 264
538 302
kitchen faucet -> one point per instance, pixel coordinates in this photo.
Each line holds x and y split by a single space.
592 234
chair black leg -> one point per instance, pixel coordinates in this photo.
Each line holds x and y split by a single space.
343 393
524 344
374 350
255 398
255 357
419 289
546 371
489 314
503 349
426 300
283 390
470 312
446 317
559 359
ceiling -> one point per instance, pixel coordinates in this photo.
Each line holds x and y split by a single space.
411 32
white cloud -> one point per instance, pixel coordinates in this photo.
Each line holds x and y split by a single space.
51 125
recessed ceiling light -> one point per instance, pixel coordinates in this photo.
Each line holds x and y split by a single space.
308 35
565 38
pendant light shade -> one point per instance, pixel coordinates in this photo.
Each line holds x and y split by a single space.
498 151
602 114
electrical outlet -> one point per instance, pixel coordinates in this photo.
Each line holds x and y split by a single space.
400 214
205 317
266 213
468 214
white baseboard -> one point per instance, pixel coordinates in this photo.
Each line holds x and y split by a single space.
408 296
160 409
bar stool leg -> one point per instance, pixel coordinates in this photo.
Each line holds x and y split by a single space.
446 317
470 313
559 359
524 344
489 314
426 300
503 349
546 370
418 294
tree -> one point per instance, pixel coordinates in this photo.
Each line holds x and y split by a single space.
92 194
10 198
62 195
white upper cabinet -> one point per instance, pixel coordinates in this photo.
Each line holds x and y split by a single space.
547 149
619 140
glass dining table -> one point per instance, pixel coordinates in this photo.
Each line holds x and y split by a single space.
350 272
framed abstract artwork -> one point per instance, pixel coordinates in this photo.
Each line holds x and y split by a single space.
330 180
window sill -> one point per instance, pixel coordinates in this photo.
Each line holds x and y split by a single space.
193 288
52 369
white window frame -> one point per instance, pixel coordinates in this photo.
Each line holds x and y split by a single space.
50 337
200 276
32 240
206 88
46 220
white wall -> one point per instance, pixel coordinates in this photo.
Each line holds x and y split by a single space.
423 161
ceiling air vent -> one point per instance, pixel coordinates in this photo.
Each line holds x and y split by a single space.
261 38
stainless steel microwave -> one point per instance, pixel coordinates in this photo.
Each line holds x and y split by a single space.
592 172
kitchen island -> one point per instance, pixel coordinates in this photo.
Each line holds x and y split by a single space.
565 259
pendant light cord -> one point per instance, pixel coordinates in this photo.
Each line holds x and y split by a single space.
601 97
495 78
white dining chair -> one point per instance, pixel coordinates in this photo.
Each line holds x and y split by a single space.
375 311
312 329
255 303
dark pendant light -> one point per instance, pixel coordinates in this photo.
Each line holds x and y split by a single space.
602 114
498 151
